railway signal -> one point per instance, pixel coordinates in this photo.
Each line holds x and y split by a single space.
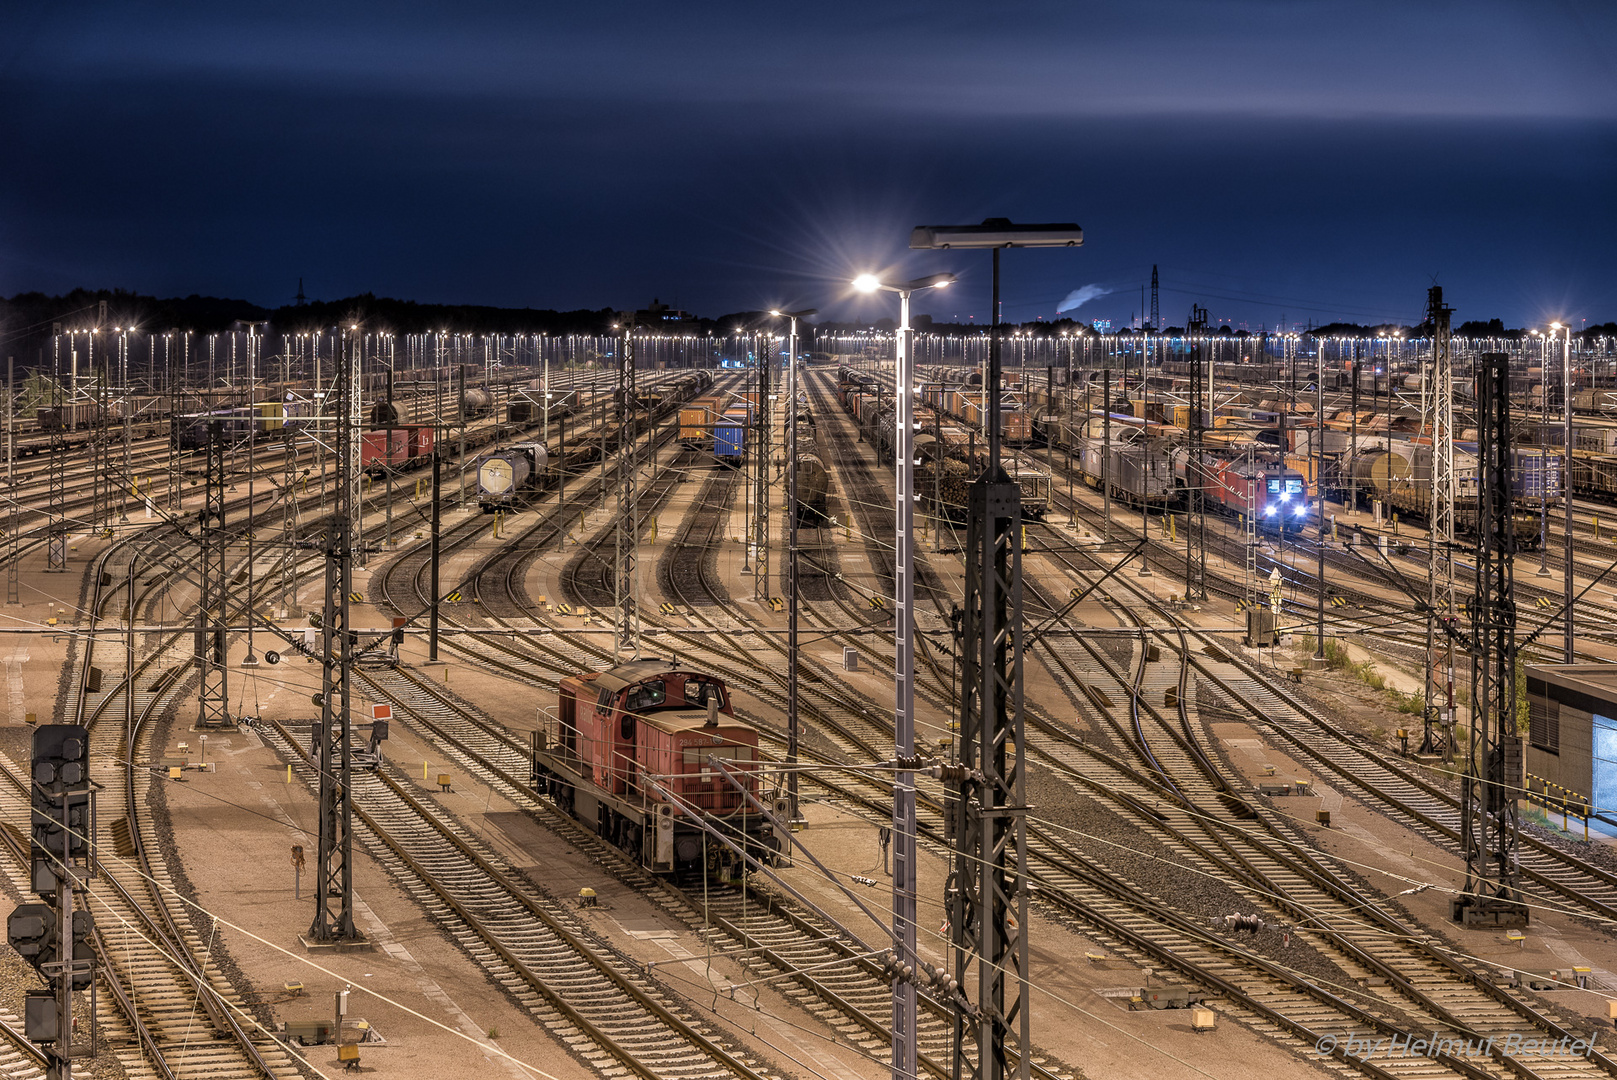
60 861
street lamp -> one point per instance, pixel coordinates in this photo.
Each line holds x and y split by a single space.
791 556
1566 477
904 1003
1544 419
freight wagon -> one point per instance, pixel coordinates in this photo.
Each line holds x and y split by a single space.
1399 476
393 449
730 436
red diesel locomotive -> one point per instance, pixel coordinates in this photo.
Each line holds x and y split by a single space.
628 751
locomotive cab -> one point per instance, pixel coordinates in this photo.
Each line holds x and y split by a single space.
630 751
1284 499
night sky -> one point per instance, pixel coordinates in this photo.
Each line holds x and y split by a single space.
1305 159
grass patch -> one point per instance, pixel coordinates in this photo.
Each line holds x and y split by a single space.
1338 658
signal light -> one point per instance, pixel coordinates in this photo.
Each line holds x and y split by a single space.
59 830
31 930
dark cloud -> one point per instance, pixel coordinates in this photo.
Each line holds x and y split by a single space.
1320 159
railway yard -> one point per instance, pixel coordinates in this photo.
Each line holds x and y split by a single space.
1241 849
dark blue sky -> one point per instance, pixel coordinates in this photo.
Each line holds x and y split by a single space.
1317 159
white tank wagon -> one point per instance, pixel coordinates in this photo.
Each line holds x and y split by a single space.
504 476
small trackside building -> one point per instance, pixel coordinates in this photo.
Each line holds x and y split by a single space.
1572 737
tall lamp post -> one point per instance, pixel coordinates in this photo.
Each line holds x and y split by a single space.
1566 477
791 556
904 1006
1544 419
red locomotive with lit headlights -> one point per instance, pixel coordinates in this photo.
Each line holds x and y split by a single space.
631 752
1277 497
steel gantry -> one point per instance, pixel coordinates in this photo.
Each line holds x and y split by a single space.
1438 726
213 690
626 584
986 896
1489 826
334 876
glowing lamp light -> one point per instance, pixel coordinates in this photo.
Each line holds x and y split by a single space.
866 283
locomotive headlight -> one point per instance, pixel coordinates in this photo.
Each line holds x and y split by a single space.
1270 511
1301 510
1284 495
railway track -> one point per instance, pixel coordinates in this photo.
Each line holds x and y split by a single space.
591 998
175 1014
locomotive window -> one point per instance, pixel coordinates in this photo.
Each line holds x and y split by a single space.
1274 486
646 696
698 691
1294 486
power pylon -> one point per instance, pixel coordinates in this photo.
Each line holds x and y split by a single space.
100 451
1490 826
334 875
56 477
1156 312
213 694
176 378
1438 403
626 631
984 897
289 520
1195 523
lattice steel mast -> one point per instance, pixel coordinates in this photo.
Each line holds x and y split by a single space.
626 586
1489 825
989 811
289 521
1156 312
1437 736
56 475
334 876
100 447
213 695
985 898
1195 521
351 417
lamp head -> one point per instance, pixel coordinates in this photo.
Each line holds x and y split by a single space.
866 283
996 233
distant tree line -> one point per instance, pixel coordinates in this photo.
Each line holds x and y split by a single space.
27 320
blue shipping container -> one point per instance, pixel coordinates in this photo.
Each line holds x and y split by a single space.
1537 474
730 437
